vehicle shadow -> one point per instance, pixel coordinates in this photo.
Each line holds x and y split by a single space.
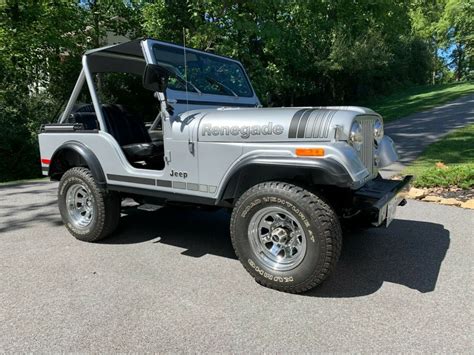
408 253
198 232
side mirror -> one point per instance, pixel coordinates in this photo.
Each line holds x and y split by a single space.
155 78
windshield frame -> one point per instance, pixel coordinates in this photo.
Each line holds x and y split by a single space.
150 57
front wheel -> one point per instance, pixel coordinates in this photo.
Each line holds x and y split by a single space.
89 213
286 237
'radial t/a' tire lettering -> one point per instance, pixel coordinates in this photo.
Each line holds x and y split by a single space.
286 237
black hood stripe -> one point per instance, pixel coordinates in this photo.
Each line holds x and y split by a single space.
295 122
303 123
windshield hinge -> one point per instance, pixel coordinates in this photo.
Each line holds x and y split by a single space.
168 157
191 147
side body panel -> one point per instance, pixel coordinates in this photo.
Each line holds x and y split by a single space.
180 174
199 162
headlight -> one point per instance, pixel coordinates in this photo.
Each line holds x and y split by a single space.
378 130
355 136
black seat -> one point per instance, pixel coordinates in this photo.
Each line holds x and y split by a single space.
88 119
129 131
132 135
124 126
142 151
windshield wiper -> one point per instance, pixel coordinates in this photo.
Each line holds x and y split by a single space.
221 85
183 79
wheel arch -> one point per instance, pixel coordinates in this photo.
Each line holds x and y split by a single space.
306 172
75 154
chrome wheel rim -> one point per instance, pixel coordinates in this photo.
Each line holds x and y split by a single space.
277 238
80 205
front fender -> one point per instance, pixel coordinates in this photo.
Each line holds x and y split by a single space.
340 167
386 152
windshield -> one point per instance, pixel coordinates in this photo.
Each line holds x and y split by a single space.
205 73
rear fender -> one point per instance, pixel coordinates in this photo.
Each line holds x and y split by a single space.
72 154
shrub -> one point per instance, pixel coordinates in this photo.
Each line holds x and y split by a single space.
455 175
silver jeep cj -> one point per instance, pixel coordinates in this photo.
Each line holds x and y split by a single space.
290 175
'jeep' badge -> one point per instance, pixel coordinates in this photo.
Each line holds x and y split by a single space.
181 174
243 131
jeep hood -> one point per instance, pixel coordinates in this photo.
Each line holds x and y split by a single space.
233 124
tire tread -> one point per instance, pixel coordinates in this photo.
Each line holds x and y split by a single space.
325 215
108 205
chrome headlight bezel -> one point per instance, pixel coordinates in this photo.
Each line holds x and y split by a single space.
356 137
378 130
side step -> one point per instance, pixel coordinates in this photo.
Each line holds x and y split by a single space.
149 207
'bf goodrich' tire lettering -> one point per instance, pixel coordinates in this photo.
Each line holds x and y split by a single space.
319 225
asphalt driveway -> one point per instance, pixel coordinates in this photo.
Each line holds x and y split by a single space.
169 281
414 133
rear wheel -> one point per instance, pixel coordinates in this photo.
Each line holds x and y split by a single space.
89 213
286 237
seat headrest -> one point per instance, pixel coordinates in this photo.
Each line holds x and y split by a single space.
88 119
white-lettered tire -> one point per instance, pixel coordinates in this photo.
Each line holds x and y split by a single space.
89 213
286 237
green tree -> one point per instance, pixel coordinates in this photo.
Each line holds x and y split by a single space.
297 52
38 40
456 31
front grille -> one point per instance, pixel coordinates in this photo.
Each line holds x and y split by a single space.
366 153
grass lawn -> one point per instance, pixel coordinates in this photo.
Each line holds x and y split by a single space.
418 98
455 152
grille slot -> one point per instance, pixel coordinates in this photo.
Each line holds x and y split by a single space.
366 153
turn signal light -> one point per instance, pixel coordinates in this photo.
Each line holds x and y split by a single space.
310 152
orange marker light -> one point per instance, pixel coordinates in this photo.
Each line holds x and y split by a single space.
310 152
